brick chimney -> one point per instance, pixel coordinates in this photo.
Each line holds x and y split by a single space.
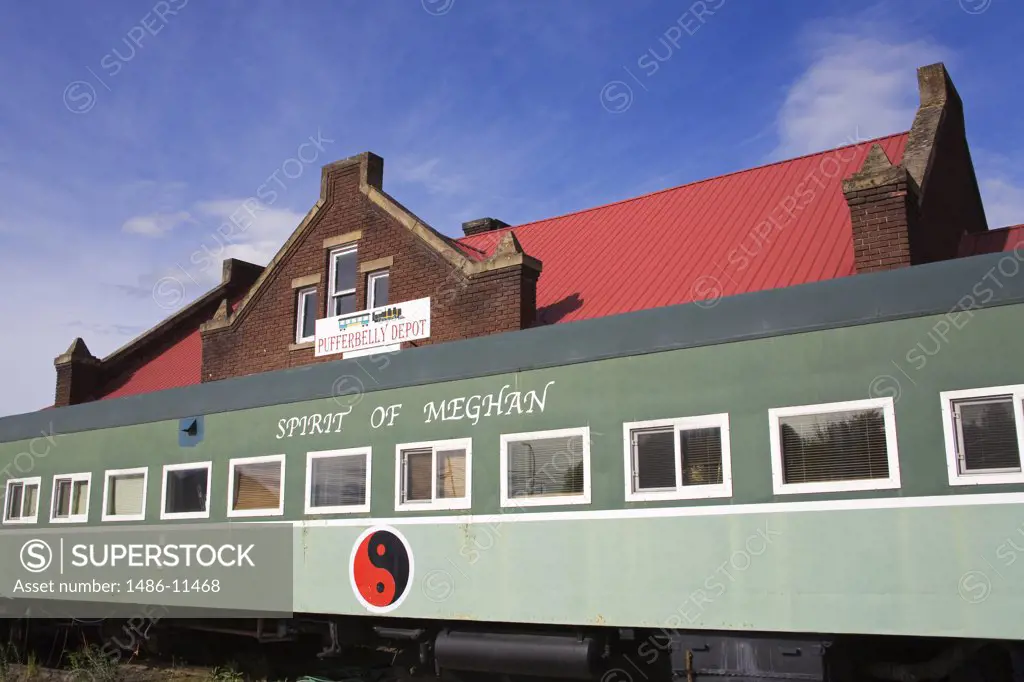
481 225
918 211
78 373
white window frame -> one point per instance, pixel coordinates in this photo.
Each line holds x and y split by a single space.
342 508
681 492
300 315
889 415
370 279
75 478
956 477
583 498
243 513
435 503
110 473
187 466
331 293
34 480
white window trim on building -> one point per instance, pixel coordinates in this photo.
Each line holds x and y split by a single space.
300 315
75 478
556 500
889 414
370 279
435 503
110 473
243 513
337 509
187 466
33 480
332 295
682 492
956 477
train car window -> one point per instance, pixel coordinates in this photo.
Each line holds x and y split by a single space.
21 500
433 475
984 435
545 468
186 491
672 459
338 481
256 486
124 494
70 499
834 447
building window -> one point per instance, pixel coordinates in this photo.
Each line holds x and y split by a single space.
70 502
338 481
305 315
256 486
545 468
434 475
344 268
124 495
21 503
186 491
673 459
984 434
377 289
834 447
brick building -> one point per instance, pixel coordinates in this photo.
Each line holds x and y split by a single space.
897 201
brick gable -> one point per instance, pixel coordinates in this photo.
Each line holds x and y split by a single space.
468 297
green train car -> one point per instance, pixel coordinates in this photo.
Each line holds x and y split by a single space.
819 482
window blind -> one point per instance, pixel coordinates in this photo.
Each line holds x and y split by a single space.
62 498
654 459
987 435
834 446
417 476
31 500
700 454
186 491
338 481
126 493
451 474
545 466
257 486
80 498
15 492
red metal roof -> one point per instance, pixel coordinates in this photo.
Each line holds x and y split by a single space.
179 365
777 225
993 241
718 237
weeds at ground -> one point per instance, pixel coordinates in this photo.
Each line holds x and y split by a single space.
91 665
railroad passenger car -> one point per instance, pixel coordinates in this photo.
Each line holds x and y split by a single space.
819 482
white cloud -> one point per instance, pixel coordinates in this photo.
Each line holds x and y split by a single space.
1004 201
428 175
856 85
237 228
156 225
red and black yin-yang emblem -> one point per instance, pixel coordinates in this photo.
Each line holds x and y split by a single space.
381 568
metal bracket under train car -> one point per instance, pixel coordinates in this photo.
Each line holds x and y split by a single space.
746 659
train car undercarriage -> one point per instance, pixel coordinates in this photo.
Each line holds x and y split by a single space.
391 649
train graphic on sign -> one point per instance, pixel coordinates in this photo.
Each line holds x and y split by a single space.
364 320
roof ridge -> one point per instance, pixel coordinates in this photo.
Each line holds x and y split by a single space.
695 182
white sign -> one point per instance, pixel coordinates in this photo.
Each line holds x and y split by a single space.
377 328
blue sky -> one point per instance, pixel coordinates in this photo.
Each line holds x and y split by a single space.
131 130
